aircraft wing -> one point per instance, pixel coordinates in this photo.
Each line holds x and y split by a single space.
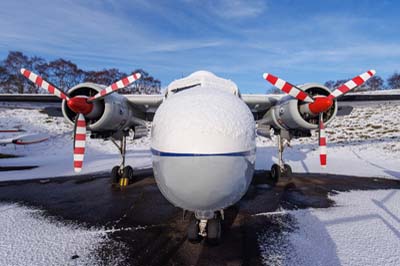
26 139
259 104
50 104
147 104
4 142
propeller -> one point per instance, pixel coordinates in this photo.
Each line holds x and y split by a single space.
38 80
116 86
79 142
82 105
317 105
322 141
288 88
351 84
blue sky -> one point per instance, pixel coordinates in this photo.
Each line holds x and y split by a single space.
300 41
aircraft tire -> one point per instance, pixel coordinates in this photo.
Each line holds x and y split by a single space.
275 173
128 173
193 231
288 170
214 231
115 174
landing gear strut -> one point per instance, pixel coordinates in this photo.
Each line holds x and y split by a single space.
281 169
209 228
122 174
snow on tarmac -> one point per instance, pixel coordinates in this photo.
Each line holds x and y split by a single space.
363 229
28 238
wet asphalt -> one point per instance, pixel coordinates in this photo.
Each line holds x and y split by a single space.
153 232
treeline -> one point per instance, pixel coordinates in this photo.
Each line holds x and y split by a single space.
373 84
65 74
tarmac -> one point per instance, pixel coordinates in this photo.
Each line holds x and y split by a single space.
153 232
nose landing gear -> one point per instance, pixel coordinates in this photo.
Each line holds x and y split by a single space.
210 229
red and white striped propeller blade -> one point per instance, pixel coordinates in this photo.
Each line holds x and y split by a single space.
79 142
322 141
38 80
288 88
351 84
116 86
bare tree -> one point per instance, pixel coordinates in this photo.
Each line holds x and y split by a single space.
37 65
374 83
394 81
12 64
330 84
145 85
104 77
64 73
4 77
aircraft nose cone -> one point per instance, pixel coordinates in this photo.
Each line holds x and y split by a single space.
320 104
79 104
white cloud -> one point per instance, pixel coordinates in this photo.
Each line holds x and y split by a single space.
232 9
238 8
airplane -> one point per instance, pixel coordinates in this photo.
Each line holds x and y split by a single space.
203 134
26 139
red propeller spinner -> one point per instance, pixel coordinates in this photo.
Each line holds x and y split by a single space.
80 105
321 104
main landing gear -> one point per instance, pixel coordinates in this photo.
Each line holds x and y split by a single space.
122 175
208 227
281 169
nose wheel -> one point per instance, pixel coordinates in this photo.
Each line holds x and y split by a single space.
209 229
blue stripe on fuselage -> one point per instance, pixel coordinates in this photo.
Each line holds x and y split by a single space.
174 154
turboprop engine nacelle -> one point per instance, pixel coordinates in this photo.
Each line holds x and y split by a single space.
289 113
111 114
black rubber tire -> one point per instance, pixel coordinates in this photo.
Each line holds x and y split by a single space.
288 170
275 173
214 231
193 231
115 174
128 173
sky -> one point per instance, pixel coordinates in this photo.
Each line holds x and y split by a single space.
299 41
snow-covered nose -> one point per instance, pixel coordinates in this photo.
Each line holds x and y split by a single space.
203 121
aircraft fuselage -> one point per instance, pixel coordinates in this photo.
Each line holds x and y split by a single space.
203 146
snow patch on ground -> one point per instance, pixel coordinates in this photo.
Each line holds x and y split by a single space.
28 238
55 156
363 229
